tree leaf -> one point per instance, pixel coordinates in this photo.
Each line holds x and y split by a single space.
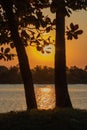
69 37
69 11
38 35
79 32
1 56
76 27
48 20
75 36
8 56
24 34
72 26
53 7
7 50
39 48
43 23
46 43
37 42
48 29
2 49
32 38
54 22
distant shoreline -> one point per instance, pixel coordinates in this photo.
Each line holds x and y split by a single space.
43 75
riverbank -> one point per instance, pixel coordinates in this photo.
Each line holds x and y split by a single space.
58 119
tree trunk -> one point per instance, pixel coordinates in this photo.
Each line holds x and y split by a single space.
22 56
61 90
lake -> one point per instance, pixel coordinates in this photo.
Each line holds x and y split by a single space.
12 96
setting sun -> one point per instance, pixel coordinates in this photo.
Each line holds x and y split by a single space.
36 57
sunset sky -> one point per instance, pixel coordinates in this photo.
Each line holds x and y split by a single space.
76 50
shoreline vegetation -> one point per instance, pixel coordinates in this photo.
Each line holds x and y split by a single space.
57 119
42 75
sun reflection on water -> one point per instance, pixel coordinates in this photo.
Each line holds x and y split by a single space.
46 90
45 97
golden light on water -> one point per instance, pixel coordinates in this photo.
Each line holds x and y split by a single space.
45 97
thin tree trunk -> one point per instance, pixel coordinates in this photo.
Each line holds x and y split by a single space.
22 57
61 90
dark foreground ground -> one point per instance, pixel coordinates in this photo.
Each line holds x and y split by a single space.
58 119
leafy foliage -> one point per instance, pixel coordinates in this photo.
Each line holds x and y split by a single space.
32 23
69 5
73 32
41 44
5 54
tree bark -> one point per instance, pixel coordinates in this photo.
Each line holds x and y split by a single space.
22 56
61 89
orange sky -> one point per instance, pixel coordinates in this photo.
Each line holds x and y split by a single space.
76 50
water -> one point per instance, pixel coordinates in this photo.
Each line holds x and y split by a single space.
12 97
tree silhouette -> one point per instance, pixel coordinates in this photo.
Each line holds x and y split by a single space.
63 8
23 60
16 16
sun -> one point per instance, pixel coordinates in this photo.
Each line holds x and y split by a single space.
38 58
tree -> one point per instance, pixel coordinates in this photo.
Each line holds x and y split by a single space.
18 15
23 60
63 8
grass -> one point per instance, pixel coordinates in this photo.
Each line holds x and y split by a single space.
57 119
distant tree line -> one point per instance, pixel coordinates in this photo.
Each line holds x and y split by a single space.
10 75
42 75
